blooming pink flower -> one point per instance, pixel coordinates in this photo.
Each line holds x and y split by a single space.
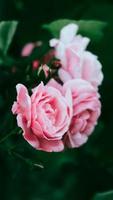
44 117
86 110
76 62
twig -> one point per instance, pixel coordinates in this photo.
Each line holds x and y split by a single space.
26 160
8 135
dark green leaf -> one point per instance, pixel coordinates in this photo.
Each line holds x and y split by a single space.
90 28
7 30
104 196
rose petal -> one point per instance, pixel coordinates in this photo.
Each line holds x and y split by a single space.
68 32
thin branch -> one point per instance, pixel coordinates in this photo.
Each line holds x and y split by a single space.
11 152
8 135
26 160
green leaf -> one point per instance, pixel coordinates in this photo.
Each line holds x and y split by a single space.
90 28
104 196
7 30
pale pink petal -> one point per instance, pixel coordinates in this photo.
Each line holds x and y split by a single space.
64 75
79 44
37 130
53 42
51 146
24 102
68 96
76 140
91 70
53 83
79 86
27 133
68 32
15 108
27 50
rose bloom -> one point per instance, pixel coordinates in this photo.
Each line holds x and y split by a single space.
86 110
44 117
76 61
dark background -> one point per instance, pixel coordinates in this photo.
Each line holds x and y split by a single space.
76 174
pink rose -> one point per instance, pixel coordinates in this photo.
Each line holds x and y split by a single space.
87 68
68 40
76 62
44 117
86 110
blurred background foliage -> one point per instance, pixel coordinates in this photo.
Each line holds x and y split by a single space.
76 174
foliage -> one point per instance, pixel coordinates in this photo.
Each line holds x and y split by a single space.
89 28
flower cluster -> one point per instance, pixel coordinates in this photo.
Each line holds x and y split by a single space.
62 113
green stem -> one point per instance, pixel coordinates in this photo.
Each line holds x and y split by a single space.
8 135
26 160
